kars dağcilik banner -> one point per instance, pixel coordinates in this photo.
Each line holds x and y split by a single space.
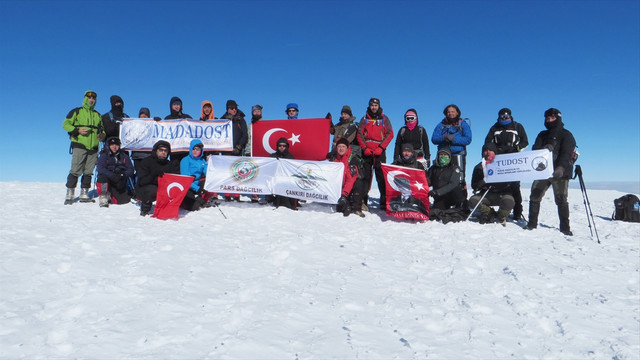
141 134
242 175
521 166
319 181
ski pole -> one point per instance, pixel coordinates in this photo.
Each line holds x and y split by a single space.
587 203
479 202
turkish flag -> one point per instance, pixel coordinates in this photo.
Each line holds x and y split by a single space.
407 192
172 189
308 138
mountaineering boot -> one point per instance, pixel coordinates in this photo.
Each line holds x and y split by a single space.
68 199
359 213
104 195
145 208
563 214
84 195
534 209
502 217
364 206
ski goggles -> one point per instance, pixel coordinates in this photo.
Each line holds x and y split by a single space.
91 94
505 116
409 118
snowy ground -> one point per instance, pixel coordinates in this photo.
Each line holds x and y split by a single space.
85 282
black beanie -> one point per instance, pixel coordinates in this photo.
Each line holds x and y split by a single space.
342 141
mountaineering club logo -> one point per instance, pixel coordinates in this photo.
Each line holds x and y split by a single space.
244 170
308 176
539 163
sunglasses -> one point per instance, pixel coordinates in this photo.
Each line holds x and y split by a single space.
281 145
92 95
410 118
292 110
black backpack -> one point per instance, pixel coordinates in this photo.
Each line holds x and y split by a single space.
627 208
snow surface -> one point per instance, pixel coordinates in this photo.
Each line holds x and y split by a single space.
87 282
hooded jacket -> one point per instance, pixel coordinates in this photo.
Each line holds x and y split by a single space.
112 165
173 115
239 125
285 154
113 118
561 141
350 170
417 137
457 127
444 179
152 167
202 116
84 117
375 130
194 166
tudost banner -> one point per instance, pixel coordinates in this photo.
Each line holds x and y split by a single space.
319 181
141 134
521 166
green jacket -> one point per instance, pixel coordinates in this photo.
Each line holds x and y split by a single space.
84 117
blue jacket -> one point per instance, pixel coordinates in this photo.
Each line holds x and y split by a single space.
461 133
194 166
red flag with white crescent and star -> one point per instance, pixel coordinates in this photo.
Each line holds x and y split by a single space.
309 139
172 189
407 192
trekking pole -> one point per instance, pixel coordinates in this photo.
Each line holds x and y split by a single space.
218 206
479 202
587 204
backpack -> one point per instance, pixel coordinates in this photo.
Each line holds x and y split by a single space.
421 129
627 208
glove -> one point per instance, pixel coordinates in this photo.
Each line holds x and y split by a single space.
157 118
342 204
102 136
237 150
450 137
549 147
121 185
434 193
378 151
368 152
558 172
425 163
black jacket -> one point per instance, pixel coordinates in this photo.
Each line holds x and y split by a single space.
444 178
509 138
478 184
176 114
240 133
417 137
561 142
152 167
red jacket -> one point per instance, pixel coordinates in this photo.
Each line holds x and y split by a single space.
375 132
350 172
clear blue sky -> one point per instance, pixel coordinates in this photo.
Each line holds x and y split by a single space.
582 57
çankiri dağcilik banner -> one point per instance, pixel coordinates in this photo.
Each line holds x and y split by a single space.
308 138
407 192
318 181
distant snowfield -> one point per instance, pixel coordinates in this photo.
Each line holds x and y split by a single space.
87 282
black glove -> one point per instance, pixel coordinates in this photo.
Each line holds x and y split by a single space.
558 172
434 193
156 118
450 137
237 150
121 185
342 204
549 147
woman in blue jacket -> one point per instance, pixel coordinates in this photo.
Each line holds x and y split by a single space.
194 165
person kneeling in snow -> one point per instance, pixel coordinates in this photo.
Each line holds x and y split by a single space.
352 185
151 169
282 152
498 193
114 170
196 166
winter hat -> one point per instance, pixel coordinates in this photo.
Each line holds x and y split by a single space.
231 104
347 110
162 144
504 111
445 150
553 111
291 106
407 147
256 107
374 100
116 99
113 140
411 112
489 146
144 110
342 141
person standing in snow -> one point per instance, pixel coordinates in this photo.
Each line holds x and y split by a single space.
509 137
454 133
138 155
114 170
256 115
85 129
240 136
151 169
113 118
352 185
499 194
346 128
414 134
175 106
374 135
562 144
